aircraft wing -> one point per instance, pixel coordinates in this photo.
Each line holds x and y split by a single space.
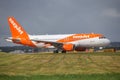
56 44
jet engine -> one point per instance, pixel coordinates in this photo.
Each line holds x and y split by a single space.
68 47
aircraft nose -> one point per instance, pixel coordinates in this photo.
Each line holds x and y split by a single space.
106 41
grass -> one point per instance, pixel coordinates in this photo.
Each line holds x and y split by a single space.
48 66
64 77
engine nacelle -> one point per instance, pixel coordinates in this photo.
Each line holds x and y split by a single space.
68 47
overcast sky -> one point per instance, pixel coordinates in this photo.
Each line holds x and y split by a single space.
62 17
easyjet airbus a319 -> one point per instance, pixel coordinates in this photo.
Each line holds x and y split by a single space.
61 42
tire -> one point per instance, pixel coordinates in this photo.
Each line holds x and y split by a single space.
63 51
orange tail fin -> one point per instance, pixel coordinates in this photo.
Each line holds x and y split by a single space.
16 29
19 35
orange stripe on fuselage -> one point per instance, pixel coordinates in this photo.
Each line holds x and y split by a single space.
76 37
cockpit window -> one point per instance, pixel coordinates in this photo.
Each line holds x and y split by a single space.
102 37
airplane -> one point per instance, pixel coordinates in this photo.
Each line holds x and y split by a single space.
61 42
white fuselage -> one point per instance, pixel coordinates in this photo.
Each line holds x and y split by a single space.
89 42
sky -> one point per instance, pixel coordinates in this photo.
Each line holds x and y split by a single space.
62 17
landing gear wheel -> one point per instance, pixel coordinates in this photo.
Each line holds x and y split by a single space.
63 51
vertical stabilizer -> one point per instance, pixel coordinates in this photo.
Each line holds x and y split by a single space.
16 29
19 35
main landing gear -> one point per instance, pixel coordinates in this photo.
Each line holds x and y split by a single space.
57 51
